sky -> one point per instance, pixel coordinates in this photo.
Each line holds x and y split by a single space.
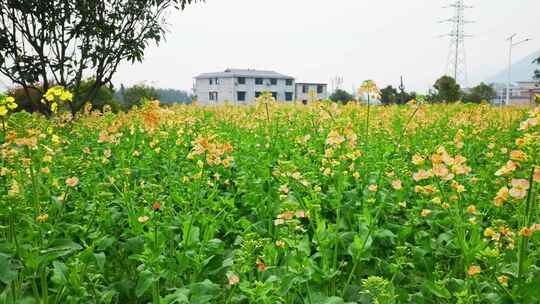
315 40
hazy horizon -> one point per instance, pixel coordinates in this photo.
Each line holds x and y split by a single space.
315 40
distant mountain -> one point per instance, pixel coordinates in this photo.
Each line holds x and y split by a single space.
522 70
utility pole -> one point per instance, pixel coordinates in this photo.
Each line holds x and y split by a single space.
401 91
511 45
457 61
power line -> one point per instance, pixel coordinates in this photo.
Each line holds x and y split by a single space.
457 60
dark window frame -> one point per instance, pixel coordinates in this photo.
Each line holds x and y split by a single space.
273 81
275 95
259 81
241 80
288 82
320 89
305 88
258 94
289 96
241 93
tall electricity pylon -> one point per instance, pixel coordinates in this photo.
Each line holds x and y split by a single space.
457 60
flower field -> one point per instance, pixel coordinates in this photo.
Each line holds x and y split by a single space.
272 204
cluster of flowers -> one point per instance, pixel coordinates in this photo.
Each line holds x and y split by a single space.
7 104
213 152
55 95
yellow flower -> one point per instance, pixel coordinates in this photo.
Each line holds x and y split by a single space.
471 209
425 212
12 106
143 219
373 188
489 232
66 96
503 280
54 107
417 160
42 217
474 270
3 111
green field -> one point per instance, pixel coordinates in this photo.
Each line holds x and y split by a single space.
272 204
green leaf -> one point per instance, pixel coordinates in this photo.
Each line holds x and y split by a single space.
59 273
180 296
7 271
438 291
143 282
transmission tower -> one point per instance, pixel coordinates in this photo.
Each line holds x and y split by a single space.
457 60
336 83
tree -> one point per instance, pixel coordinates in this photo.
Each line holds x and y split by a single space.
57 42
135 95
481 92
389 95
448 90
341 96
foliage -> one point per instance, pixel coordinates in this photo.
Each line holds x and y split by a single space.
138 94
103 96
480 93
173 96
341 96
447 90
57 42
272 203
389 95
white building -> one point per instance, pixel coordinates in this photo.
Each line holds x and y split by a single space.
243 86
305 92
522 93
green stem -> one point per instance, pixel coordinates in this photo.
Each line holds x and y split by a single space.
44 285
524 240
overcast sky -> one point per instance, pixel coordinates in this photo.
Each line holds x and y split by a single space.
314 40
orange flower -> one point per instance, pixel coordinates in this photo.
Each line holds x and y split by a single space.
373 188
471 209
502 196
233 279
518 155
474 270
536 176
421 175
396 184
503 280
260 265
519 188
526 232
72 181
156 206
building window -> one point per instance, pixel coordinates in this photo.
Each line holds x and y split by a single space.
258 81
320 89
288 96
241 96
241 80
288 82
211 81
273 81
305 88
258 94
213 96
274 94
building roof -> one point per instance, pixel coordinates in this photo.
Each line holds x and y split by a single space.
228 73
311 83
